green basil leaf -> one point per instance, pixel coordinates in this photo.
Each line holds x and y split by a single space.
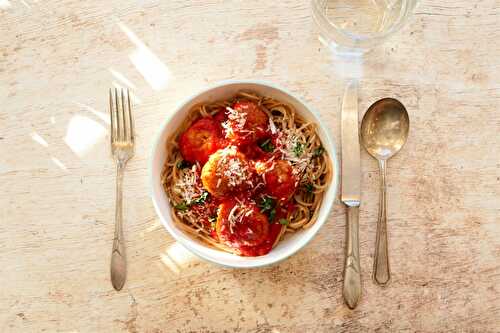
201 199
182 164
266 204
213 221
267 146
298 149
309 187
318 151
182 206
272 214
284 222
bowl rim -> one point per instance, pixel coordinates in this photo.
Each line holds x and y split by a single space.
243 264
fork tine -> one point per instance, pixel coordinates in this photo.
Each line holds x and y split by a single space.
119 118
112 117
126 117
131 121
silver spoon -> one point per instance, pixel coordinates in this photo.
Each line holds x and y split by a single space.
384 130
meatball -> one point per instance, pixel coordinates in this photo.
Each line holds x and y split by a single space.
240 223
246 123
226 171
279 180
220 116
199 141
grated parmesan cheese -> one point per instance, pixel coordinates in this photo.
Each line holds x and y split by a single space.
188 186
237 213
272 127
287 142
236 120
232 168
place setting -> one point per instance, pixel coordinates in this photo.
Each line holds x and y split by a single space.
244 173
384 131
249 166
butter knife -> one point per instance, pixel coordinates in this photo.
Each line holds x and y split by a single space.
351 193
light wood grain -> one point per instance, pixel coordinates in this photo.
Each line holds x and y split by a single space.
56 217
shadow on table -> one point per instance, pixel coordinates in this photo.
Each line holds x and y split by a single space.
306 288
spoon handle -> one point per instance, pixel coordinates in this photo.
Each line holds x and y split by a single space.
352 270
381 270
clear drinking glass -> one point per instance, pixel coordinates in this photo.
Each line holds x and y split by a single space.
356 26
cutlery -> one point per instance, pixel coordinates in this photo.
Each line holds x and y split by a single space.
122 147
351 193
384 130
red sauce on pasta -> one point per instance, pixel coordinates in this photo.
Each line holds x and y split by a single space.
248 185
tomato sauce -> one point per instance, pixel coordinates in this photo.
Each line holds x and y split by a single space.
266 246
256 142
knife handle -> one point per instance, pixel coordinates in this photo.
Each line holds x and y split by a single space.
352 269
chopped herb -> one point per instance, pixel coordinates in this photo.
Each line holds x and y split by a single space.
182 164
298 149
272 214
198 201
318 151
213 221
182 206
267 146
201 199
267 204
309 187
284 222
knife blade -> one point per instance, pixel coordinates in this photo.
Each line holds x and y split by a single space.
351 193
351 167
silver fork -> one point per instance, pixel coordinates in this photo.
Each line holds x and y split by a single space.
122 147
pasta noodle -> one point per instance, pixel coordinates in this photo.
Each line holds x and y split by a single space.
313 169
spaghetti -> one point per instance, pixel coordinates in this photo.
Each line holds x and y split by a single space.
287 147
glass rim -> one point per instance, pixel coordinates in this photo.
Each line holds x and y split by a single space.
322 21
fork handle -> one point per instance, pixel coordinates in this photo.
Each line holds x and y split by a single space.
118 259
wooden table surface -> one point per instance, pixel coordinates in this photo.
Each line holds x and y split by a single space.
57 60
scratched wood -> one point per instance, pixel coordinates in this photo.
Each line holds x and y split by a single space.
57 60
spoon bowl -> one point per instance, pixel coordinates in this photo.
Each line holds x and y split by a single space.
384 128
384 131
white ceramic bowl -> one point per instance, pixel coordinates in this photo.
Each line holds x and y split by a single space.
225 90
